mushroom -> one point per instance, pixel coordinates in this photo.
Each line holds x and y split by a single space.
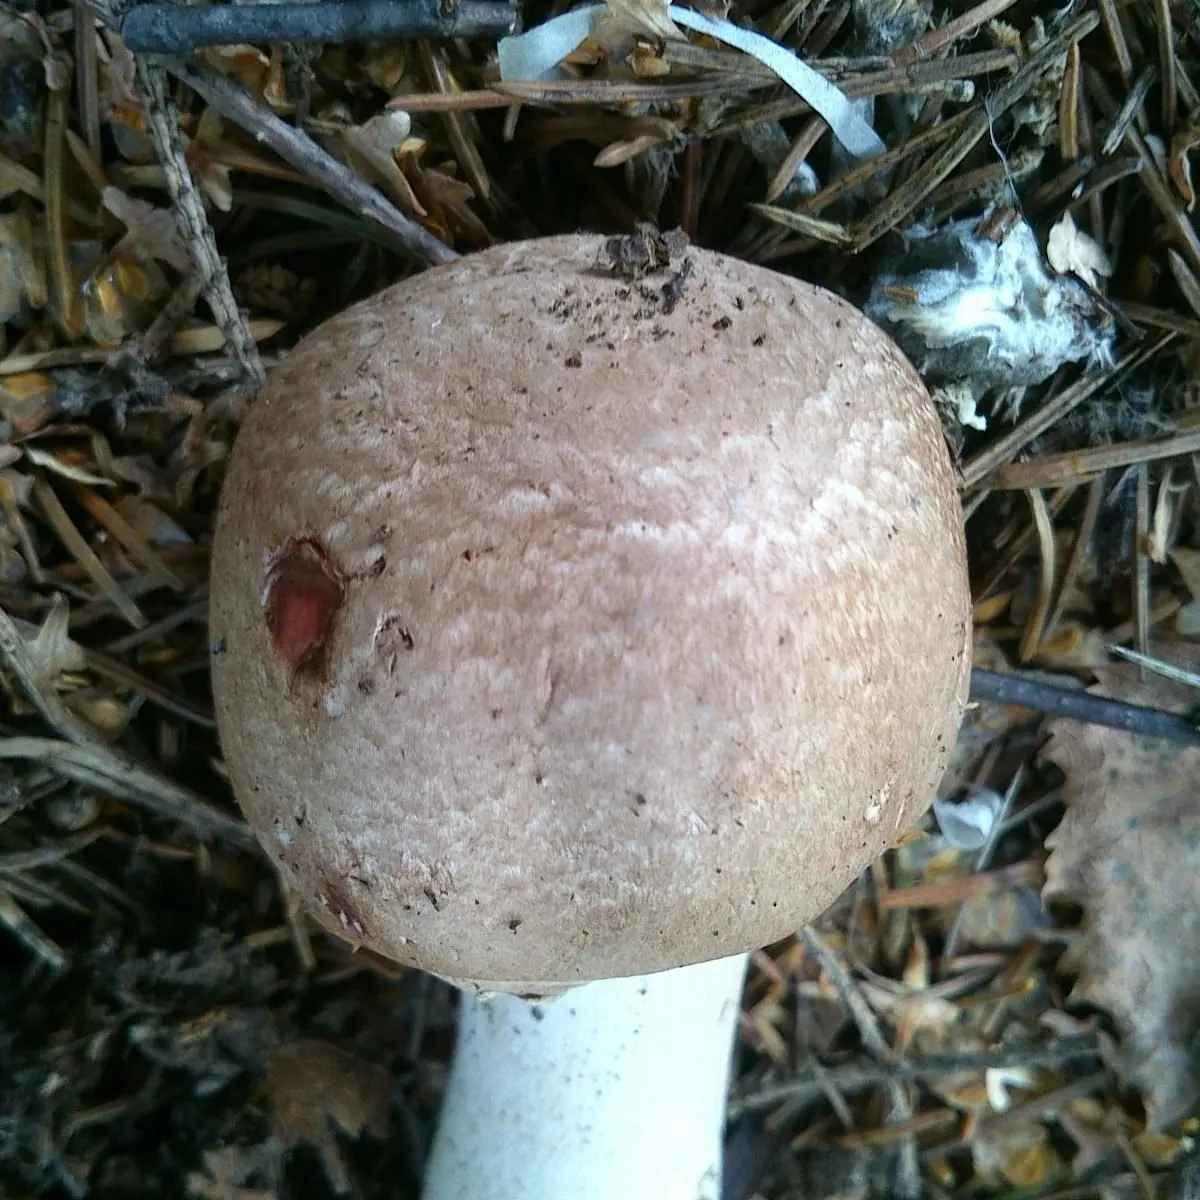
587 615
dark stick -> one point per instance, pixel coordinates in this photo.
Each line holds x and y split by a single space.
1080 706
293 145
178 29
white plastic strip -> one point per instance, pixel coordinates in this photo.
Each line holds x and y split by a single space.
843 119
531 56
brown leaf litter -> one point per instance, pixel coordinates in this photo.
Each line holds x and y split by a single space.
1128 852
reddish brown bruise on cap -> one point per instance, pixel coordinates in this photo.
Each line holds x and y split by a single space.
303 593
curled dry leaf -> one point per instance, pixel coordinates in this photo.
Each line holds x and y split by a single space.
964 1090
1070 251
1095 1130
1016 1152
120 294
384 64
28 401
149 229
444 199
646 17
1007 917
246 64
1128 852
1181 167
122 106
375 143
22 264
60 466
1074 647
317 1091
204 157
50 645
229 1170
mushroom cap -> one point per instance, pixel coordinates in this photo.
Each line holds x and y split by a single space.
570 625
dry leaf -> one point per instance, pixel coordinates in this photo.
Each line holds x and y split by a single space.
648 63
966 1093
1005 918
118 76
1070 251
1097 1129
992 608
948 862
203 153
22 265
1160 1149
649 17
51 648
120 295
444 199
376 142
1031 1166
1128 852
384 64
228 1169
148 228
1181 167
151 524
51 462
1074 647
1017 1154
317 1091
247 64
913 1011
121 102
56 65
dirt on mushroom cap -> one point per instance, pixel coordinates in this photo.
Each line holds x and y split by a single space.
654 617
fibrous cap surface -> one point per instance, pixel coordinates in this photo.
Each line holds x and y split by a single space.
573 625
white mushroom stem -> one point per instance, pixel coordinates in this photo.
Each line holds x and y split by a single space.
614 1089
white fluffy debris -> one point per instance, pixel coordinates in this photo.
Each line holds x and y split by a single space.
976 308
535 55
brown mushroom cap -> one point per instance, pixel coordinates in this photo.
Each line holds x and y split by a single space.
570 625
